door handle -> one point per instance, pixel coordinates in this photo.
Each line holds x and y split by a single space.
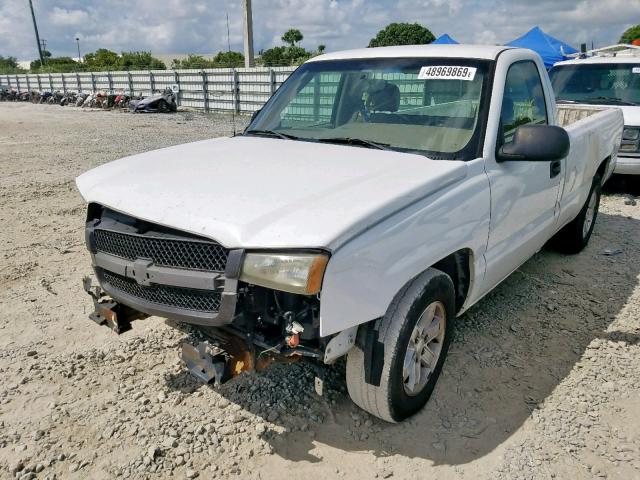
555 168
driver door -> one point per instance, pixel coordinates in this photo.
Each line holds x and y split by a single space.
524 195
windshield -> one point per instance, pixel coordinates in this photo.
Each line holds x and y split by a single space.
430 106
605 83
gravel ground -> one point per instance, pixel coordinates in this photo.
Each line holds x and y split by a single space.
542 380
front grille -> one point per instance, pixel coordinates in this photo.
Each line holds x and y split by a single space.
183 298
188 254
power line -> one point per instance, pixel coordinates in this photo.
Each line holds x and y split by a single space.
228 37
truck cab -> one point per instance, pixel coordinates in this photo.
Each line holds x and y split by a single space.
608 77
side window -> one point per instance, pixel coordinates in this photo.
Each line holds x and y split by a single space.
523 102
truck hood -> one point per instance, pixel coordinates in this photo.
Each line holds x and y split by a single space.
631 116
253 192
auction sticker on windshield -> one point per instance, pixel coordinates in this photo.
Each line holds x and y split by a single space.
447 72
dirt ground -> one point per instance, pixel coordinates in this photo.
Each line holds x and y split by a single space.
542 380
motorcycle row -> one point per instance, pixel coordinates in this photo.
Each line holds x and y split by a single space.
159 102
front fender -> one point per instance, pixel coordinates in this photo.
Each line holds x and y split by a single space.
364 275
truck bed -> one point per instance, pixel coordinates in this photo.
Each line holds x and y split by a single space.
568 114
595 134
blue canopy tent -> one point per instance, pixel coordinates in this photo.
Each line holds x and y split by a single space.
549 48
444 39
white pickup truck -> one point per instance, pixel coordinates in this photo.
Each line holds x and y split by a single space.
378 195
608 76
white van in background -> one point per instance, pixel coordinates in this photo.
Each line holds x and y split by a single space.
607 76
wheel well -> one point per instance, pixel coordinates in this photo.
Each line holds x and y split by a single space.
458 267
602 169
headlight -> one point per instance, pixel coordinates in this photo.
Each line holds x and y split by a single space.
631 133
630 139
296 273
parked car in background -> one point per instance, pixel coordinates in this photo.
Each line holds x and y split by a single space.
608 76
6 94
164 102
378 195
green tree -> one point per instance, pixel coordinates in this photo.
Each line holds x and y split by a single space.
284 56
292 54
274 57
402 34
292 36
321 48
101 60
630 34
296 55
139 61
56 65
221 60
9 65
192 61
228 59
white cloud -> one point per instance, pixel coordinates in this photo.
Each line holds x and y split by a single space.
62 17
199 26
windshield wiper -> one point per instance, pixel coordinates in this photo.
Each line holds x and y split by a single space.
356 141
612 100
271 133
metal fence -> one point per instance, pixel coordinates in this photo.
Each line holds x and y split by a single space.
243 90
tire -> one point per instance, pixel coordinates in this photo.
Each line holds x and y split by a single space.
574 236
393 400
163 107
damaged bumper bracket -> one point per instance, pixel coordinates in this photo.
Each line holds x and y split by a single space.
108 312
202 364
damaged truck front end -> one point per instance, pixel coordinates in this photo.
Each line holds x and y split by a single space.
255 307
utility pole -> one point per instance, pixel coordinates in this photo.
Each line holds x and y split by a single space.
248 34
43 46
35 27
79 57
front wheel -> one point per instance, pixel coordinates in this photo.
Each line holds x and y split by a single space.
414 334
574 236
163 107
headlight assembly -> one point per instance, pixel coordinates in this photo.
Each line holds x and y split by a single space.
630 140
631 133
290 272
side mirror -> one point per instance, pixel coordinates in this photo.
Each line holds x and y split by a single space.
255 114
535 143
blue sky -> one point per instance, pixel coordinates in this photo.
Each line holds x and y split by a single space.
198 26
